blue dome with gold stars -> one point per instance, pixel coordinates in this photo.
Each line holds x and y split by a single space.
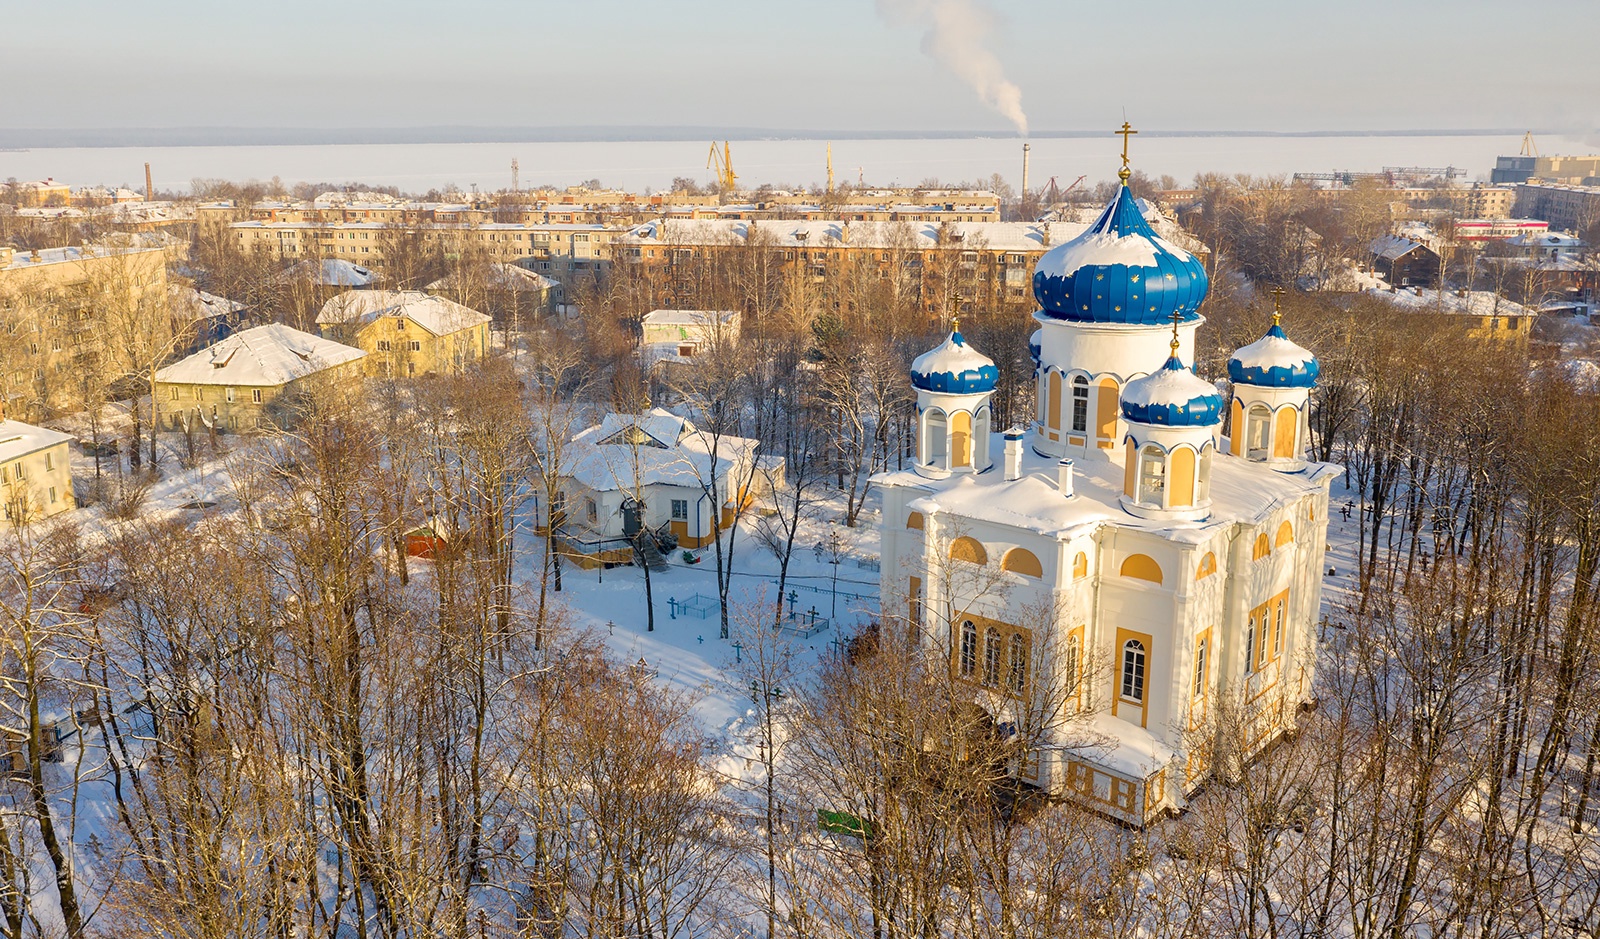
1172 396
1274 361
1120 271
953 367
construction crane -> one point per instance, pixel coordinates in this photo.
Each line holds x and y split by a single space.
830 166
722 165
514 174
1529 148
1056 194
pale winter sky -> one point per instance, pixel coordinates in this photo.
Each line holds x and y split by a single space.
848 65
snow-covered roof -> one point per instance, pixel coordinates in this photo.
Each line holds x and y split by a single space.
1475 303
201 304
661 425
953 367
1393 247
328 199
1172 396
266 356
25 259
675 453
331 272
503 277
18 439
1124 748
689 317
919 236
1547 240
1240 492
1274 361
436 314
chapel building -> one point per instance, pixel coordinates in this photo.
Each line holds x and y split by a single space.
1143 586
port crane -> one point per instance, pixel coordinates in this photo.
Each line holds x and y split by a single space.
722 165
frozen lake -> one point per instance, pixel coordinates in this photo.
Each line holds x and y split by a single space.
642 165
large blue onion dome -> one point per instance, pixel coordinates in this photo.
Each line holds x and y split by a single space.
1274 361
1119 271
954 367
1172 396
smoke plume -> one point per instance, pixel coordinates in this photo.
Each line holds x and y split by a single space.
955 37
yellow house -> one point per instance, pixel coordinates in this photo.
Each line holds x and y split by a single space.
248 380
57 308
406 333
35 473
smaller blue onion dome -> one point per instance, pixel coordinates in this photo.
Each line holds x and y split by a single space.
1274 361
1036 346
1120 271
954 367
1172 396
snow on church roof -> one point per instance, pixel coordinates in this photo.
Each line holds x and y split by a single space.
1274 361
1119 271
264 356
1172 396
954 367
1240 492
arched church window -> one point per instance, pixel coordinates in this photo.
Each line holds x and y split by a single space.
1074 663
1250 646
1133 670
980 437
1277 630
1288 436
1053 402
969 549
1022 561
1257 427
936 427
1080 404
1202 492
969 649
1019 664
1152 475
961 439
991 657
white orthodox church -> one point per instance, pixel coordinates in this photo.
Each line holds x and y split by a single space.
1158 581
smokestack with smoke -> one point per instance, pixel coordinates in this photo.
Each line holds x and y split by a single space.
956 32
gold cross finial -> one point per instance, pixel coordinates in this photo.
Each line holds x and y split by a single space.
1177 317
1126 132
956 300
1277 314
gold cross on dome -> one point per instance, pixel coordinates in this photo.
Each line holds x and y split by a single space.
1277 314
1177 317
1126 132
